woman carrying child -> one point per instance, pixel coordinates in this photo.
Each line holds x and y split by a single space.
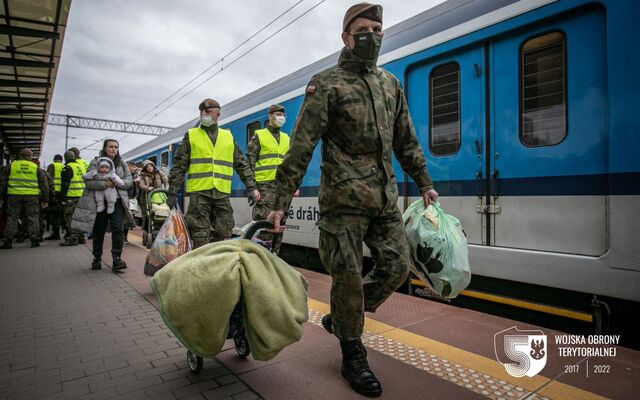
87 218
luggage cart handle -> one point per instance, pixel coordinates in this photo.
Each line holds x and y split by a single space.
257 226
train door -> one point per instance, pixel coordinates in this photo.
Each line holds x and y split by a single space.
548 150
446 99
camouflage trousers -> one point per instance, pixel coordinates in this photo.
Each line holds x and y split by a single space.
205 213
23 229
261 211
69 208
341 238
27 210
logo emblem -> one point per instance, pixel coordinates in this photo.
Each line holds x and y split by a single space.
521 352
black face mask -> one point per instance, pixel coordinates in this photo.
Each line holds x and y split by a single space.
367 45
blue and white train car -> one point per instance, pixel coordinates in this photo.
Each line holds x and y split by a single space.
526 113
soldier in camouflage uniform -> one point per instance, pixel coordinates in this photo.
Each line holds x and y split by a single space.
208 155
265 151
360 113
27 191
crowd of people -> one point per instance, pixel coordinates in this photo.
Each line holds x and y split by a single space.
356 108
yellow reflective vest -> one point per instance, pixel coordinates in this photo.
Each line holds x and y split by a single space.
23 179
76 186
57 176
83 164
271 154
210 167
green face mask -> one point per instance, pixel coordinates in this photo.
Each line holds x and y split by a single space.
367 45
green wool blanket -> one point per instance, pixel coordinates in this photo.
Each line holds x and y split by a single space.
198 291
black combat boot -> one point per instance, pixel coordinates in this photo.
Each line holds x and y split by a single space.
54 236
326 323
7 244
35 243
82 240
70 241
118 264
96 264
355 369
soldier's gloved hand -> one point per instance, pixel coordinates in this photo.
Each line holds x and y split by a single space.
253 197
172 200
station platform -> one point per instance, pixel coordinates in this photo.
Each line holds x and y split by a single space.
68 332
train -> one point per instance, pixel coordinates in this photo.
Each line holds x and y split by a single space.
524 110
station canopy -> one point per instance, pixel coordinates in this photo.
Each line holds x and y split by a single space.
31 36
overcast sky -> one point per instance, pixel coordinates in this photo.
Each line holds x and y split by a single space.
121 58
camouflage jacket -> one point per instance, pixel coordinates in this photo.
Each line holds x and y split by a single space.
360 113
253 150
181 165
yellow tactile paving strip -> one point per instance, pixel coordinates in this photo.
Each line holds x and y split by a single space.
469 370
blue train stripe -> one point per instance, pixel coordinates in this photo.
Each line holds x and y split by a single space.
576 185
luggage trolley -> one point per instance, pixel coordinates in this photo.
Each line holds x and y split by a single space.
236 326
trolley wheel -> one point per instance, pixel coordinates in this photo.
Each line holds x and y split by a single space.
149 240
144 238
195 362
242 346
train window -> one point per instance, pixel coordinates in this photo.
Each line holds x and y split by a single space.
543 95
164 161
154 160
444 115
251 129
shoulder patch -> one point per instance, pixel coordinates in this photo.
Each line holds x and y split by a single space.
311 87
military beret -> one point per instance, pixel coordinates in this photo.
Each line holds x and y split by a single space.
363 10
208 103
26 153
57 157
276 107
69 155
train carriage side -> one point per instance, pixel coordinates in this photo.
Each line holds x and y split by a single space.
527 128
526 132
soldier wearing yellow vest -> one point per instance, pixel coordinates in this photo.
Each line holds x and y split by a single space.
71 189
265 152
208 155
54 170
26 188
79 160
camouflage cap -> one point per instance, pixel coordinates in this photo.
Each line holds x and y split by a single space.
363 10
69 155
208 103
276 107
26 154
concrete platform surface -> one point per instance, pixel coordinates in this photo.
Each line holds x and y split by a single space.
70 332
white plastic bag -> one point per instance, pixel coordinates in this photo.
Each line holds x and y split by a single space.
439 248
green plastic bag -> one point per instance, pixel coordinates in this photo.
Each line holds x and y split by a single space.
439 248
